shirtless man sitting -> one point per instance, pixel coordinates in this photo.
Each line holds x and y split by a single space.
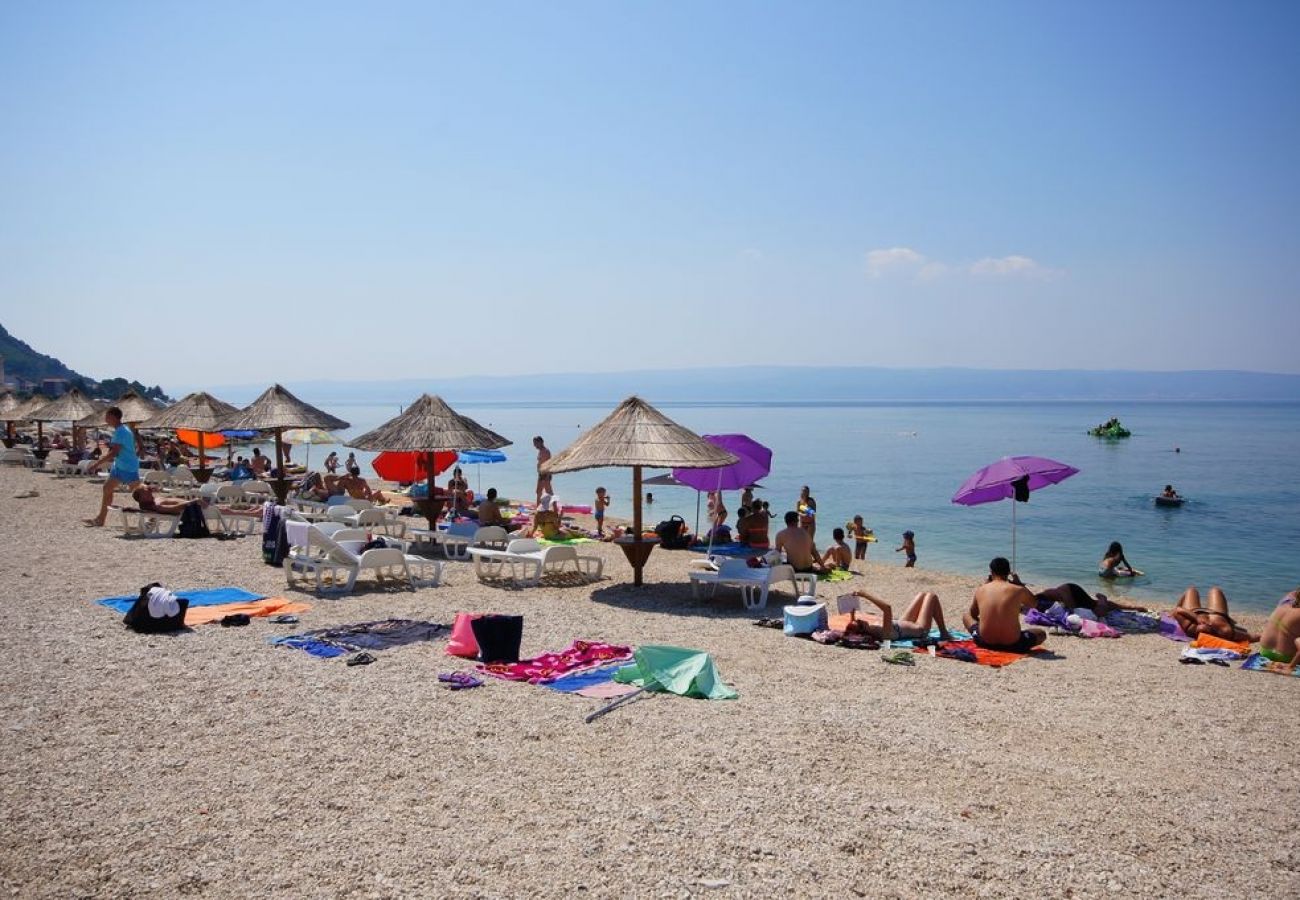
490 514
994 616
797 543
357 488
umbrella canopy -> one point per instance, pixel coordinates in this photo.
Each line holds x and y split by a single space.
96 418
427 426
276 410
637 435
754 461
71 407
309 436
479 457
409 466
199 414
1012 477
998 480
135 408
8 403
676 670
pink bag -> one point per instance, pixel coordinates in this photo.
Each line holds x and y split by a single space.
462 641
1091 629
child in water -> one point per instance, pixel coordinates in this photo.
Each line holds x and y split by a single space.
861 535
837 556
909 545
598 510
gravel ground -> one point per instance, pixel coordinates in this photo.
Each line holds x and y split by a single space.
212 763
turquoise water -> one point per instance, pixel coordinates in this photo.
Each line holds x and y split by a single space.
898 464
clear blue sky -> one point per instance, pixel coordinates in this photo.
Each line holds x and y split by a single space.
424 189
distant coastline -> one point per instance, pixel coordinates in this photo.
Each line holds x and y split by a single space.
774 385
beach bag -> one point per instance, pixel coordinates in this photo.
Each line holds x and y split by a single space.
461 642
804 619
167 614
498 637
672 533
193 523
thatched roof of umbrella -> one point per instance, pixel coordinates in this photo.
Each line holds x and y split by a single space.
197 411
8 403
637 434
135 408
427 425
71 407
97 417
277 408
25 408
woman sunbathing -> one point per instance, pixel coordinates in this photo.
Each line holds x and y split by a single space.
167 506
1280 642
921 614
1213 620
1073 597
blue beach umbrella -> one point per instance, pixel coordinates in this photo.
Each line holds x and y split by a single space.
477 458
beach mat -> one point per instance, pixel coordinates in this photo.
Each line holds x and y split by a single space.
385 634
995 659
566 542
1257 663
840 622
729 549
271 606
201 597
596 683
546 667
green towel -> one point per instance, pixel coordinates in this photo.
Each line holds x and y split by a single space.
835 575
566 542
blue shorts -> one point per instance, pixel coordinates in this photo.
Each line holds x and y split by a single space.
126 476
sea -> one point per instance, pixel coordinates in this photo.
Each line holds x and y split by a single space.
898 465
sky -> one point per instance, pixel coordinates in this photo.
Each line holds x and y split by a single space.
333 190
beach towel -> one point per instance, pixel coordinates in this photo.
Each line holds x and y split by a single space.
1257 663
565 542
1211 654
1131 622
983 656
381 635
582 683
1170 629
835 575
202 597
730 548
578 656
271 606
1210 642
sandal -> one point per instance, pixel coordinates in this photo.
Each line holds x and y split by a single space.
361 659
285 619
235 619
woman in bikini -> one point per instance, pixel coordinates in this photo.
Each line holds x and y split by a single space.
1280 642
1114 564
923 613
1213 620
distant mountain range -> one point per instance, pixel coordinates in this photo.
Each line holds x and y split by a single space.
26 368
777 384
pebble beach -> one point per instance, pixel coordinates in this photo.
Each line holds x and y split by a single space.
211 763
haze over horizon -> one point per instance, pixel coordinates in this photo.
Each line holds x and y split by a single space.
410 191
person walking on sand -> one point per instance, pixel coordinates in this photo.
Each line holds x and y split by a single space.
543 479
124 454
993 619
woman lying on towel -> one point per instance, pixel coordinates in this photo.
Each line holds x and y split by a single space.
1073 597
166 506
922 614
1213 620
1280 642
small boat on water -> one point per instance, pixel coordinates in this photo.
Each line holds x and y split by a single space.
1110 429
1162 500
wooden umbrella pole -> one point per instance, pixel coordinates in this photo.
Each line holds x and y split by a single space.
429 512
202 461
636 519
281 485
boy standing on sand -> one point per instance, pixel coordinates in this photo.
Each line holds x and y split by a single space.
993 619
598 510
124 454
543 480
909 546
860 533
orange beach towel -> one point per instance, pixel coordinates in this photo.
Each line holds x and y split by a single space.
270 606
1210 642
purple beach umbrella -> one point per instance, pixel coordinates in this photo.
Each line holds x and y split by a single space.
1012 477
755 463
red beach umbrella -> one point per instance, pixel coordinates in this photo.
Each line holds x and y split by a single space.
408 466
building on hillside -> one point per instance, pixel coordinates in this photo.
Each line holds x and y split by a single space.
54 387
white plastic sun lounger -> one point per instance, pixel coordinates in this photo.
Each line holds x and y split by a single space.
754 584
528 562
333 563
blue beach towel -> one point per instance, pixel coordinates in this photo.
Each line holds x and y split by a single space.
578 680
202 597
957 635
1257 663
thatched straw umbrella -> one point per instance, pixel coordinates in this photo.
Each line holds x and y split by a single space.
72 407
638 435
19 413
9 405
427 426
201 412
276 410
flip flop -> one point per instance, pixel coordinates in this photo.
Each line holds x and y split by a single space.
899 658
1191 661
235 619
285 619
361 659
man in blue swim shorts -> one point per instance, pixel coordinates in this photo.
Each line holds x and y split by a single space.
124 456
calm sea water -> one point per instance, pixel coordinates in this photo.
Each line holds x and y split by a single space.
899 464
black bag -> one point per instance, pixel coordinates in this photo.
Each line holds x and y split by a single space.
137 618
193 523
498 638
672 533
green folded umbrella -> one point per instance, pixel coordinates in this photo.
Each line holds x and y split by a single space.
676 670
